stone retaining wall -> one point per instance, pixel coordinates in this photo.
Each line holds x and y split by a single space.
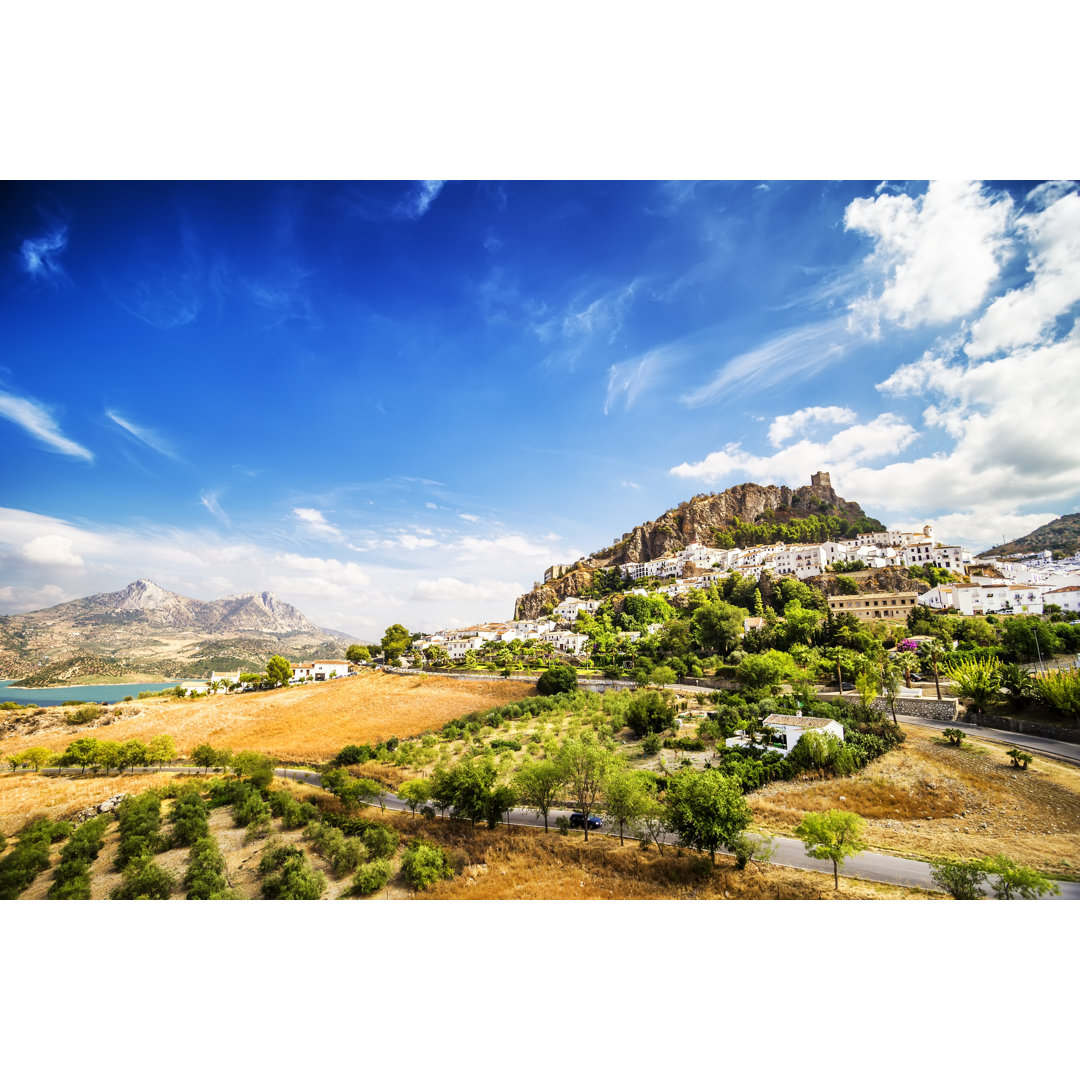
944 710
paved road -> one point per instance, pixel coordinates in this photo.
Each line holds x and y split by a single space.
1056 748
869 866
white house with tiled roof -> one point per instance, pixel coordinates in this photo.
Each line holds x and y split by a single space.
1067 598
785 731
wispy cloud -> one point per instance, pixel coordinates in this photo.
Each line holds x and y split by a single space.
36 420
144 435
384 202
164 295
41 255
209 499
799 352
316 521
630 378
586 323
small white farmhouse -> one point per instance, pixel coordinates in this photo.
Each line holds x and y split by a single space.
788 730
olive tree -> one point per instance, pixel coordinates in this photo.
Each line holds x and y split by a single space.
834 835
706 809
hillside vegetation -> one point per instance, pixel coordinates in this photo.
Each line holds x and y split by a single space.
1061 536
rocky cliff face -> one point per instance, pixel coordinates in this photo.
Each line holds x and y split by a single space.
695 521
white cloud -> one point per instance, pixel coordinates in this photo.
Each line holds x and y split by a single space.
585 324
419 202
144 435
469 517
799 352
787 427
885 434
937 254
316 521
450 588
37 421
631 484
1025 316
51 550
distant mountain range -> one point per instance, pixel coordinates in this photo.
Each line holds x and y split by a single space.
1060 535
145 630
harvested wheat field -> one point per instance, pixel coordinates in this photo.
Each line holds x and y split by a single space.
307 723
25 796
929 799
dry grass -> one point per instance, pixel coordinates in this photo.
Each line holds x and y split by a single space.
24 796
929 799
304 723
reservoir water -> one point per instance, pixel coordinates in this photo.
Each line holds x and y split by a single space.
108 693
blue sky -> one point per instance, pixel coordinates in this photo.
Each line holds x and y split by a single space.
400 401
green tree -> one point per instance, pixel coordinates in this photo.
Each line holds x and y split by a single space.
719 626
415 793
977 678
278 670
357 654
649 712
1010 880
258 768
472 781
706 809
558 679
961 880
834 835
204 756
396 641
627 796
767 669
954 735
585 767
935 652
538 784
38 756
500 801
133 752
161 749
80 752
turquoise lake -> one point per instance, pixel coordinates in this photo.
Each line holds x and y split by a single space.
55 695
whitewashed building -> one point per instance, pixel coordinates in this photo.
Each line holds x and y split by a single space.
785 731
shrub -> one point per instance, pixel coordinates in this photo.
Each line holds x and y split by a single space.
1009 879
249 806
1020 758
288 875
372 877
954 735
424 864
30 856
140 828
344 855
72 878
145 880
205 878
293 812
189 817
651 744
505 744
648 713
86 714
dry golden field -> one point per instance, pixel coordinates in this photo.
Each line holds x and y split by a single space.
303 723
25 796
929 799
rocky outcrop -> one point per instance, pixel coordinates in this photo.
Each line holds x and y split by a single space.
888 579
695 521
106 807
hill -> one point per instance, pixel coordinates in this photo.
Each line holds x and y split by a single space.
1061 536
736 517
144 631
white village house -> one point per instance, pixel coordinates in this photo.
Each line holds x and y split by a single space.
786 731
319 670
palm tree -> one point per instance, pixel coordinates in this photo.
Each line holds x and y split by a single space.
934 650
